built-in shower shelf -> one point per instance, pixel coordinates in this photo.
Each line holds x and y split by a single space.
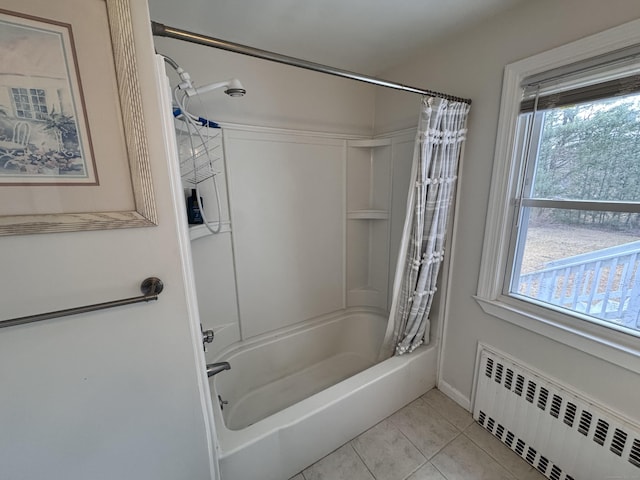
371 297
368 215
370 142
368 189
199 231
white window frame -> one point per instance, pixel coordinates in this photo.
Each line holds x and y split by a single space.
611 345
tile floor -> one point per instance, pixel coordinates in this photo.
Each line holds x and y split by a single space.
432 438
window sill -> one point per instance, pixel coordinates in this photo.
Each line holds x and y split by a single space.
615 347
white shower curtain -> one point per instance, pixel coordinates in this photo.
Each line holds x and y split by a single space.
438 148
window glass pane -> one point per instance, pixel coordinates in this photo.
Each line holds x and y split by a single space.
583 261
590 151
31 104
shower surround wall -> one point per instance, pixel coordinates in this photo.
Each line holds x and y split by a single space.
287 219
315 205
313 229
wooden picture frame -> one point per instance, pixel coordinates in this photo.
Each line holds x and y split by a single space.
118 171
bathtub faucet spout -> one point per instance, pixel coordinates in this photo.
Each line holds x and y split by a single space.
215 368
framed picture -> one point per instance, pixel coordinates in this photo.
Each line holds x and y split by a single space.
73 151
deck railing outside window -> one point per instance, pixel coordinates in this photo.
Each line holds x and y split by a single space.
604 284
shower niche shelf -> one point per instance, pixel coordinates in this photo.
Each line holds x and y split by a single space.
368 215
368 202
370 143
199 231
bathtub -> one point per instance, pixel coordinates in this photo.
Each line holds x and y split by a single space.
293 396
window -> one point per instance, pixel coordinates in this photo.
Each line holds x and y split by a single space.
560 253
30 103
576 236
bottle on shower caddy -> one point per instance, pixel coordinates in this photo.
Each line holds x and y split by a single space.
194 215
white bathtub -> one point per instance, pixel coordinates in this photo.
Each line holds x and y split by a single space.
296 395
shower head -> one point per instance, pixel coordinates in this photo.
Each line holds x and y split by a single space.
233 88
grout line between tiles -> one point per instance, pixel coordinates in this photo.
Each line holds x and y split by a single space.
361 459
419 466
440 472
435 409
442 415
427 460
493 457
319 460
435 454
409 440
460 432
446 445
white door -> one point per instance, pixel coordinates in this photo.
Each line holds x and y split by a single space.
120 393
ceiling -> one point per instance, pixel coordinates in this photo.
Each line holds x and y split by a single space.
366 36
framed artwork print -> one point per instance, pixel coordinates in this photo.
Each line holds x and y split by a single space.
73 147
45 138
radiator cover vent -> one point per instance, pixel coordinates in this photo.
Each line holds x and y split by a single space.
560 432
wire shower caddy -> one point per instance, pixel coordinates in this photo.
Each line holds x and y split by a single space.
200 148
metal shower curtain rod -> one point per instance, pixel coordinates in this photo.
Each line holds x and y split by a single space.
161 30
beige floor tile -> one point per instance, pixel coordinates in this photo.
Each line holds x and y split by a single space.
532 474
387 453
464 460
426 429
498 450
343 464
396 448
448 408
427 472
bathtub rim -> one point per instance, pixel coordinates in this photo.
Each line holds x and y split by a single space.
309 324
231 442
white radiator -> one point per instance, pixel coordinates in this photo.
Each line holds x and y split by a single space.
556 430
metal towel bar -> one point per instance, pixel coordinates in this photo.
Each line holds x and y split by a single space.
150 288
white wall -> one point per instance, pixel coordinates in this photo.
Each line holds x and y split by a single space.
112 394
471 65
